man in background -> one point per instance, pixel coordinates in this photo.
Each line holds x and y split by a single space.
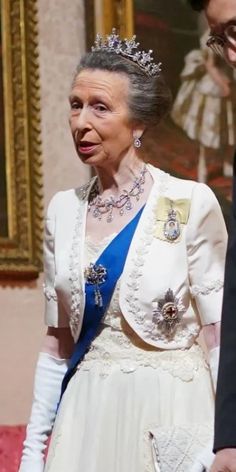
221 16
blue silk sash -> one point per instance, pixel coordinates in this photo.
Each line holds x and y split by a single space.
113 259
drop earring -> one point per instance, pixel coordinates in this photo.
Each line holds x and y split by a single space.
137 142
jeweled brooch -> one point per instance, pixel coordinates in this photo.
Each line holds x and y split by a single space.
96 275
172 226
168 312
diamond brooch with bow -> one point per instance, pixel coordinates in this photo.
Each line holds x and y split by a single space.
96 275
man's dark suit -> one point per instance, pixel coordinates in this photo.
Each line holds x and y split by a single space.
225 412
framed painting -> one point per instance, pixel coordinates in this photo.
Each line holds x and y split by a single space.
21 212
197 139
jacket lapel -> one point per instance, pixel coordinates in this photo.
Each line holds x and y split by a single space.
144 233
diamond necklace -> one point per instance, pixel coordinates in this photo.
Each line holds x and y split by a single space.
100 207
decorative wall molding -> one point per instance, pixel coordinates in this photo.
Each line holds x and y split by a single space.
21 250
103 15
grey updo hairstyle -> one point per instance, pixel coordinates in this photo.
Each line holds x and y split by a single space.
149 98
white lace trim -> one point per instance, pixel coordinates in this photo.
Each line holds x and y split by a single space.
138 262
49 292
183 331
113 316
95 248
127 351
75 263
76 291
206 289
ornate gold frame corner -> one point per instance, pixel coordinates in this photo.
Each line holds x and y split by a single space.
103 15
21 250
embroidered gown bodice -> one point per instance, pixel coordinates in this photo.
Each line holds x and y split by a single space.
135 379
117 342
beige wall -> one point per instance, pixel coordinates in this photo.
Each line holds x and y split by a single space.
61 42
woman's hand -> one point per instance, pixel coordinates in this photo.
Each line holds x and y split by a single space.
225 461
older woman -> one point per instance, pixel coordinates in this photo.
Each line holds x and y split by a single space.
133 272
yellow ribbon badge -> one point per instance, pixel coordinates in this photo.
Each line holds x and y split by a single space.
171 215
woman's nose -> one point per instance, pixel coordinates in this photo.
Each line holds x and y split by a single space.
82 120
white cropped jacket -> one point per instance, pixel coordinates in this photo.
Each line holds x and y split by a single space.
187 272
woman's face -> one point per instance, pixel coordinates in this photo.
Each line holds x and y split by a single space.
99 116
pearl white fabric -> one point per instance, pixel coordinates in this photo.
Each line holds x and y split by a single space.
136 384
125 389
192 266
104 420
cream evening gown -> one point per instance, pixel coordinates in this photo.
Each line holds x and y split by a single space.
131 407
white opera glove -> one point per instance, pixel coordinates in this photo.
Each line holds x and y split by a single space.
47 388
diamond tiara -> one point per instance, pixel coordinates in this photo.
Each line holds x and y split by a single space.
127 48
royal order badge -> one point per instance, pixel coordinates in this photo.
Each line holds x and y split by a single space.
172 226
168 312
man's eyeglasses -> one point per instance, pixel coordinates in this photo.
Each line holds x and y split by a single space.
217 42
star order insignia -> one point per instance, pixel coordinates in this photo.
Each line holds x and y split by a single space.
168 312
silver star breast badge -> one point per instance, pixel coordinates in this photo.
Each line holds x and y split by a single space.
168 312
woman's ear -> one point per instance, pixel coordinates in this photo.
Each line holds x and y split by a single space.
137 135
138 130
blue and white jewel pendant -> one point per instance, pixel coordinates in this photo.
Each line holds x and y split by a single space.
96 275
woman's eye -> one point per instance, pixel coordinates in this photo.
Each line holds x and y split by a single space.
100 107
75 105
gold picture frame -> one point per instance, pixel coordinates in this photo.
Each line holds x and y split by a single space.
176 41
21 246
103 15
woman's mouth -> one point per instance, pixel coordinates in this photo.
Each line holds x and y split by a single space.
86 147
